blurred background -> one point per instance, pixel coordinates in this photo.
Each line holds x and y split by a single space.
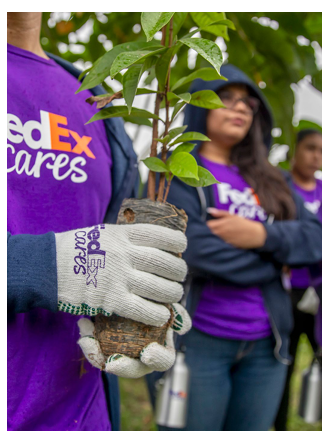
280 51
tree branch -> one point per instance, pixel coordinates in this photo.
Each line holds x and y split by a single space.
167 124
155 134
168 186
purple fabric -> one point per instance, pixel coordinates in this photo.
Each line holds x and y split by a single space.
227 311
59 179
318 326
300 277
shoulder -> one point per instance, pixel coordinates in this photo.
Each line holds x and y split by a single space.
65 64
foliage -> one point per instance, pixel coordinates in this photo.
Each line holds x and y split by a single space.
127 62
275 58
267 46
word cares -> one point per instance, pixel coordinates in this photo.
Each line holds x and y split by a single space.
49 134
244 203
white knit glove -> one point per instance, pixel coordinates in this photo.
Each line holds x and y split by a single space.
153 357
113 269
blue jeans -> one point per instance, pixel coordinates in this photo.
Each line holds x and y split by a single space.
235 385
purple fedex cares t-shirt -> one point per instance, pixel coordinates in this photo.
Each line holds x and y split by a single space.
226 311
59 178
300 277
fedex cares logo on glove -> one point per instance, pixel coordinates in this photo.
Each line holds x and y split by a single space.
90 257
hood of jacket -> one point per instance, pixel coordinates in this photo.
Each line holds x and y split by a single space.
195 117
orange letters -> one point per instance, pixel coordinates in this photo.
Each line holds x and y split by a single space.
56 132
82 144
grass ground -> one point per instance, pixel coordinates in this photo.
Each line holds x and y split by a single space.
136 411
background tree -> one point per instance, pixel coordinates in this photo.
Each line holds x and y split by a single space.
275 49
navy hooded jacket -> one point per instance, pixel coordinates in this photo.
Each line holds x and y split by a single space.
295 243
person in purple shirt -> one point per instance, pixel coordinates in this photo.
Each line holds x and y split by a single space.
67 259
307 160
241 232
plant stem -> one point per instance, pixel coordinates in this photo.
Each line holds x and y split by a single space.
155 134
152 175
167 124
168 186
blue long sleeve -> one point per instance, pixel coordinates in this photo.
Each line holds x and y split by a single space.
31 272
296 243
208 254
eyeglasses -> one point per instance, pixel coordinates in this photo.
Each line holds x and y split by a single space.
251 103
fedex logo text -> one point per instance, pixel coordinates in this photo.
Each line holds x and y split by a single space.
244 203
90 257
50 134
46 136
179 394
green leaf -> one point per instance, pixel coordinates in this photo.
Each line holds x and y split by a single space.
152 22
101 68
209 50
107 87
205 19
155 164
177 109
186 97
175 131
165 139
130 83
205 179
83 73
179 19
185 147
150 61
206 99
119 78
212 26
186 137
124 60
227 23
151 76
206 74
305 124
138 121
144 90
183 164
172 134
163 64
121 111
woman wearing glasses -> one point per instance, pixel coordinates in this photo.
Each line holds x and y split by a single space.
240 234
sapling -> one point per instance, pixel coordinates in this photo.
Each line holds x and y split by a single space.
119 335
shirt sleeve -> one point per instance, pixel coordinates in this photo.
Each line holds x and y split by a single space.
297 243
31 272
208 255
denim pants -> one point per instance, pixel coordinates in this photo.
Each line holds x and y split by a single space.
235 385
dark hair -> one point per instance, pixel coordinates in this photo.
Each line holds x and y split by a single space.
250 156
307 132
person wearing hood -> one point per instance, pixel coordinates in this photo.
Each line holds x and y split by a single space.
306 282
241 232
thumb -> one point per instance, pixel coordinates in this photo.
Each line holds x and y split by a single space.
218 212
